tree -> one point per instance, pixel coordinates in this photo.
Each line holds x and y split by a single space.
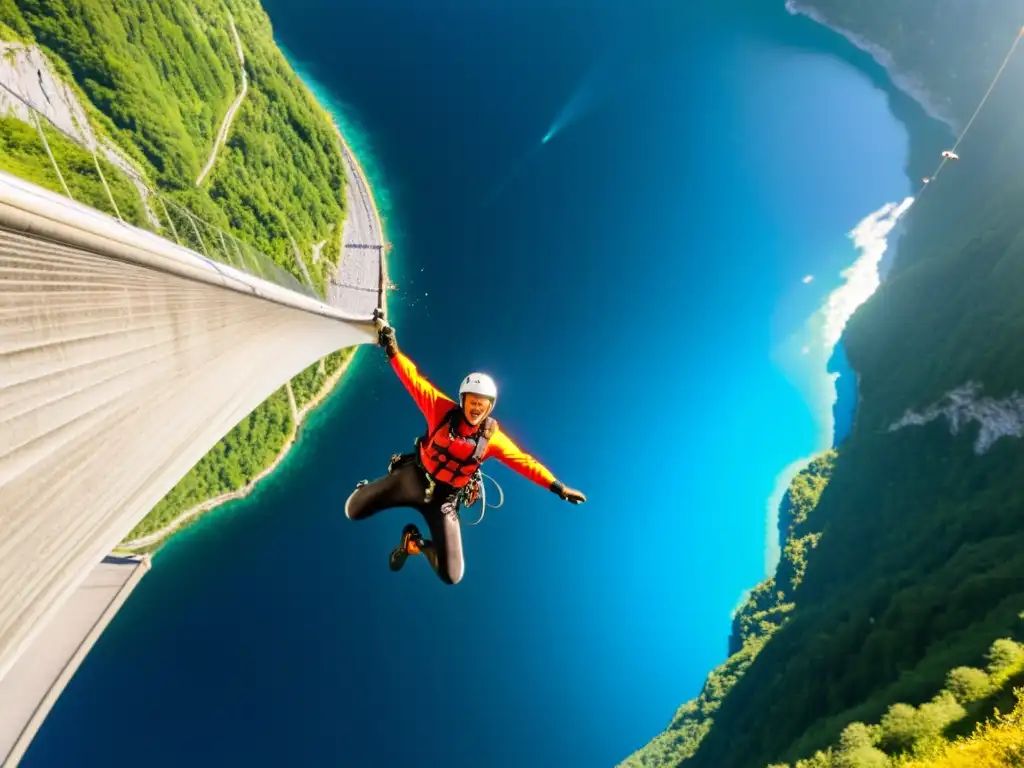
899 729
818 760
1004 655
857 749
968 684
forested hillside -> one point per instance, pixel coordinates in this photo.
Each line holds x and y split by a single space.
156 78
161 74
766 609
914 579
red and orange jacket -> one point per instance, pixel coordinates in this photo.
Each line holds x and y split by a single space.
435 406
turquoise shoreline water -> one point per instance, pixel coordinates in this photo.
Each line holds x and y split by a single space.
358 141
576 633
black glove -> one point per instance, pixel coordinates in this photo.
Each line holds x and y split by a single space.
568 494
385 334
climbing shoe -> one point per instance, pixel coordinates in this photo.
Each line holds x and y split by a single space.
411 544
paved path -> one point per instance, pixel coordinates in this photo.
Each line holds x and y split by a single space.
355 286
225 127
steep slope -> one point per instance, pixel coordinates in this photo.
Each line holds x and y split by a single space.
933 734
942 52
766 609
152 81
994 744
919 567
158 77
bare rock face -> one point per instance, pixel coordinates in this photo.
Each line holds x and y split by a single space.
25 73
963 407
30 83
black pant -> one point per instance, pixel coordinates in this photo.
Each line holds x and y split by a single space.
406 488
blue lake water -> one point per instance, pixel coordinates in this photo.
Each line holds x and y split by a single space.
628 283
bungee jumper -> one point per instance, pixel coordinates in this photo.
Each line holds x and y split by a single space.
443 472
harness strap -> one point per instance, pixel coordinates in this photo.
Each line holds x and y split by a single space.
450 421
490 426
487 430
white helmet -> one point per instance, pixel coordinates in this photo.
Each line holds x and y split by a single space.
479 384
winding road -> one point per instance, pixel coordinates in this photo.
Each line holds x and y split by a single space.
354 287
225 127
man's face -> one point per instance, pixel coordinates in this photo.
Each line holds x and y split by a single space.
475 408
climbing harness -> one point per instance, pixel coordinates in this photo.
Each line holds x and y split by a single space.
451 458
475 491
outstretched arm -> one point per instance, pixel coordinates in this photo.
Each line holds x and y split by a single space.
509 454
431 401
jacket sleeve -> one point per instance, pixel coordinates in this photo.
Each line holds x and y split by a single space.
509 454
433 404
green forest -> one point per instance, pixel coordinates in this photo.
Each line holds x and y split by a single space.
155 78
962 717
890 634
246 451
765 610
23 154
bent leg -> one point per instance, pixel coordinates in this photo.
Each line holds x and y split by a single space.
444 548
405 488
